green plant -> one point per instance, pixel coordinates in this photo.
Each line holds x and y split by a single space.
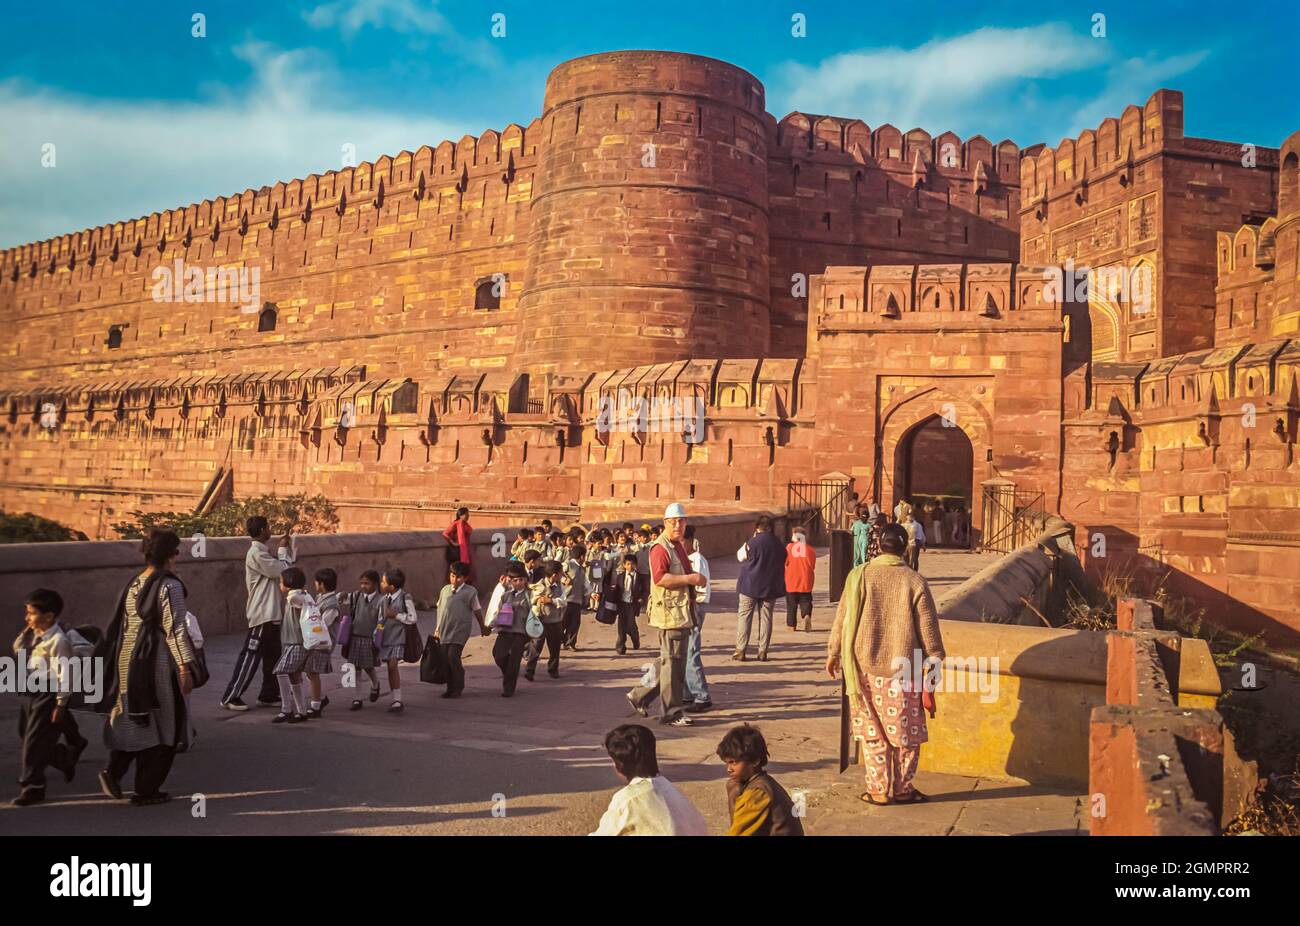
306 514
32 528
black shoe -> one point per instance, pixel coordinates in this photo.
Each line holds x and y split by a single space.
139 800
263 702
698 707
29 797
356 705
314 713
324 702
507 694
451 694
77 750
297 718
636 644
282 717
553 673
529 675
110 785
69 770
374 695
621 650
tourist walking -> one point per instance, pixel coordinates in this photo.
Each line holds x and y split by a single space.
915 540
862 536
697 685
885 639
264 612
147 676
459 549
761 582
671 610
800 566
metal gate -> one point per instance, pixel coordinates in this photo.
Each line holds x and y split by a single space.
820 505
1011 518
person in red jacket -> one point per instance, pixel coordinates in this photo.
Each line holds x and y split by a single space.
800 565
458 543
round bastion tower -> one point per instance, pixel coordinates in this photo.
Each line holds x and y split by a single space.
649 230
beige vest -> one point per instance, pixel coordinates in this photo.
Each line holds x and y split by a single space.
670 608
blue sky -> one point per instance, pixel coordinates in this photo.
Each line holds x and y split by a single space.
144 116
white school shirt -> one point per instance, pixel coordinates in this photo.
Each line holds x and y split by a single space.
915 533
407 614
651 807
701 565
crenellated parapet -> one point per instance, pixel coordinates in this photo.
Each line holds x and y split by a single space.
461 172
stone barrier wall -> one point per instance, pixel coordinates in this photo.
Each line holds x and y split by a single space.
1161 761
90 575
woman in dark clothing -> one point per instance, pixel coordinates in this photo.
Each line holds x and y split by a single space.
147 673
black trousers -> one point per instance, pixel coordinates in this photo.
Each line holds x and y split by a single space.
152 766
507 652
627 626
261 647
455 668
552 636
39 735
796 603
572 622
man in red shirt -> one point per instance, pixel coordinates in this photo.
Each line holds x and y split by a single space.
671 608
800 564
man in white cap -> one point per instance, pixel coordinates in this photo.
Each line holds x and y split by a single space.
671 609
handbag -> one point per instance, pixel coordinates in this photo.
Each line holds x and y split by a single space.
412 644
198 669
505 615
433 663
345 630
607 613
533 627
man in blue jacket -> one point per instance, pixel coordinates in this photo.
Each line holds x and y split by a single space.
761 582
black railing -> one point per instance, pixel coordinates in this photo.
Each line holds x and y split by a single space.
1011 518
820 506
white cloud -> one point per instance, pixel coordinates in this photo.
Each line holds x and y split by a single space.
118 160
987 81
351 16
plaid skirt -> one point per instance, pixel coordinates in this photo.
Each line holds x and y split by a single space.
360 651
391 652
318 661
292 658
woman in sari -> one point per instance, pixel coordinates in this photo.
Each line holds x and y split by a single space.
886 641
458 546
147 675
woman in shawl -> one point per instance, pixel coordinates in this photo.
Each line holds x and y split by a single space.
458 548
886 642
147 673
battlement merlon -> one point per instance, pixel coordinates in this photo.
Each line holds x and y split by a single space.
492 155
811 134
1139 133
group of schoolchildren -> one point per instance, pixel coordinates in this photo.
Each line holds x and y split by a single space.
604 570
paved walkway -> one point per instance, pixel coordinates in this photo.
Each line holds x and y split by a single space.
532 764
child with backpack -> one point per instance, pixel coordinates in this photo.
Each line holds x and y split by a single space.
397 611
293 652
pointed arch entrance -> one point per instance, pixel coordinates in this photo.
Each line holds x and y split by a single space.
932 444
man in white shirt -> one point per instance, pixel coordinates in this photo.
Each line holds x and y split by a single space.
649 805
262 645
